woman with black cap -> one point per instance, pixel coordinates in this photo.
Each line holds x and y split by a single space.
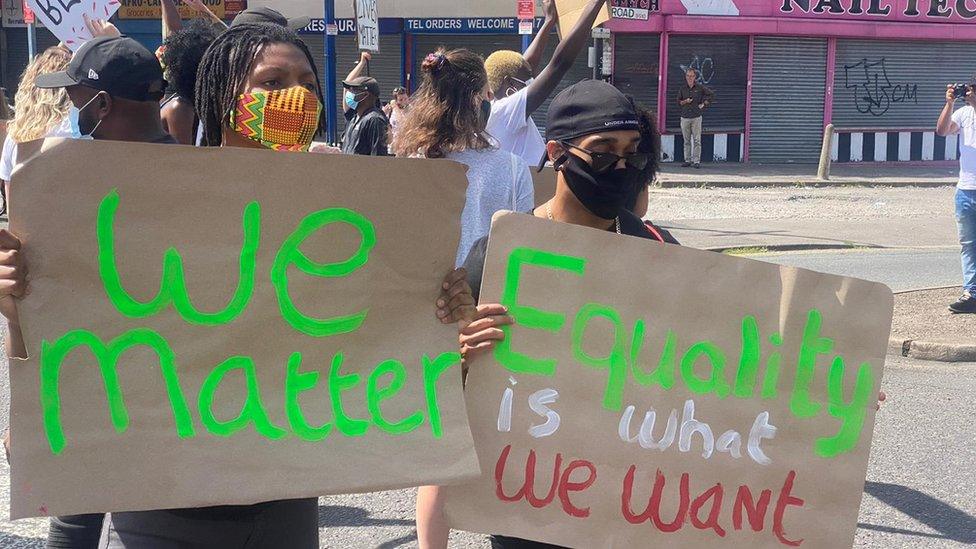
593 139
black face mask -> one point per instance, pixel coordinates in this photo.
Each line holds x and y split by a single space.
485 112
604 194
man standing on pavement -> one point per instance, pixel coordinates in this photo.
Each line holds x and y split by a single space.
693 98
366 125
962 122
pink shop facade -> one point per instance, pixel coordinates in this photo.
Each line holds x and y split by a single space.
783 70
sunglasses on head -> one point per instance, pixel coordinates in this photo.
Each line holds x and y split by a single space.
604 162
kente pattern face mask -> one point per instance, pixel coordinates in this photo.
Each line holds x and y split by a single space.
281 120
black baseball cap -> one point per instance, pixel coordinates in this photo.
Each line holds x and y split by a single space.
589 106
363 82
267 15
115 64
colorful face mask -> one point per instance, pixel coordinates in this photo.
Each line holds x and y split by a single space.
281 120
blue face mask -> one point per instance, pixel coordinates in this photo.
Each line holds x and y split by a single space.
351 100
74 120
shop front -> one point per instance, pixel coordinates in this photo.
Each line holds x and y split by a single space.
783 70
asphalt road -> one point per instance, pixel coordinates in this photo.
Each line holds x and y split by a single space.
899 269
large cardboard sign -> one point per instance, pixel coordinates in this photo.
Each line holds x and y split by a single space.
227 326
655 396
65 18
570 12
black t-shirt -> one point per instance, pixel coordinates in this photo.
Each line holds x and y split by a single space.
630 225
366 134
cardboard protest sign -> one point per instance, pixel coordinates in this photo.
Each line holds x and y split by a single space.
367 25
651 395
226 326
571 10
65 18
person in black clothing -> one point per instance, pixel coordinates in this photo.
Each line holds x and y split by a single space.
693 99
366 125
598 172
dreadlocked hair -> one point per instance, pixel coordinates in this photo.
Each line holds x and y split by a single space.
224 70
443 117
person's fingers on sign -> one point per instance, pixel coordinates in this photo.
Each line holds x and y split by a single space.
98 27
13 269
455 302
482 334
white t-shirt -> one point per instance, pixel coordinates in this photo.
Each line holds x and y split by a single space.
965 118
7 158
497 180
513 130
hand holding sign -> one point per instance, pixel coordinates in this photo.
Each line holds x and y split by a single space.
66 18
98 27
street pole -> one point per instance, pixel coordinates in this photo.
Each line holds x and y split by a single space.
526 42
31 41
332 116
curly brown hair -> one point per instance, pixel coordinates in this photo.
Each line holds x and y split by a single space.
443 116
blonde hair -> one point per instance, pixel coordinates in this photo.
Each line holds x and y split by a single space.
40 110
503 64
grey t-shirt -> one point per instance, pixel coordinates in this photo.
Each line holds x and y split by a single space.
497 180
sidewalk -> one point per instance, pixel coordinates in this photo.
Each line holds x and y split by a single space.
924 329
738 174
798 234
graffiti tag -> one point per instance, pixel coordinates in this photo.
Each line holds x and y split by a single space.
872 89
704 67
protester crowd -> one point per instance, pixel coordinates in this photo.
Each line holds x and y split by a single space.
254 84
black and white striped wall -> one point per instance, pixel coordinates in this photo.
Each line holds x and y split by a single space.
893 147
716 147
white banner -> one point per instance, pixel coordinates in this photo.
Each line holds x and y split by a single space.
66 20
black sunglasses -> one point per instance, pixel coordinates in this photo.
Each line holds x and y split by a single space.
604 162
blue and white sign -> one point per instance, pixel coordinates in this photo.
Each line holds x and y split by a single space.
466 25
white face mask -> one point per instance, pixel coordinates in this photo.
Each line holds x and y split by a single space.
74 116
511 90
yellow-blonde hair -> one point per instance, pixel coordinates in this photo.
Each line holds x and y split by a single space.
503 64
40 110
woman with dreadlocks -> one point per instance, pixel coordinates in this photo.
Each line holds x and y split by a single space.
268 66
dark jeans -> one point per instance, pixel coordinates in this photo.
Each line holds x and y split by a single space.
287 524
74 531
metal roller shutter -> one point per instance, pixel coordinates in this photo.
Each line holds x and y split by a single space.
722 63
787 99
891 84
16 54
385 66
579 71
636 66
